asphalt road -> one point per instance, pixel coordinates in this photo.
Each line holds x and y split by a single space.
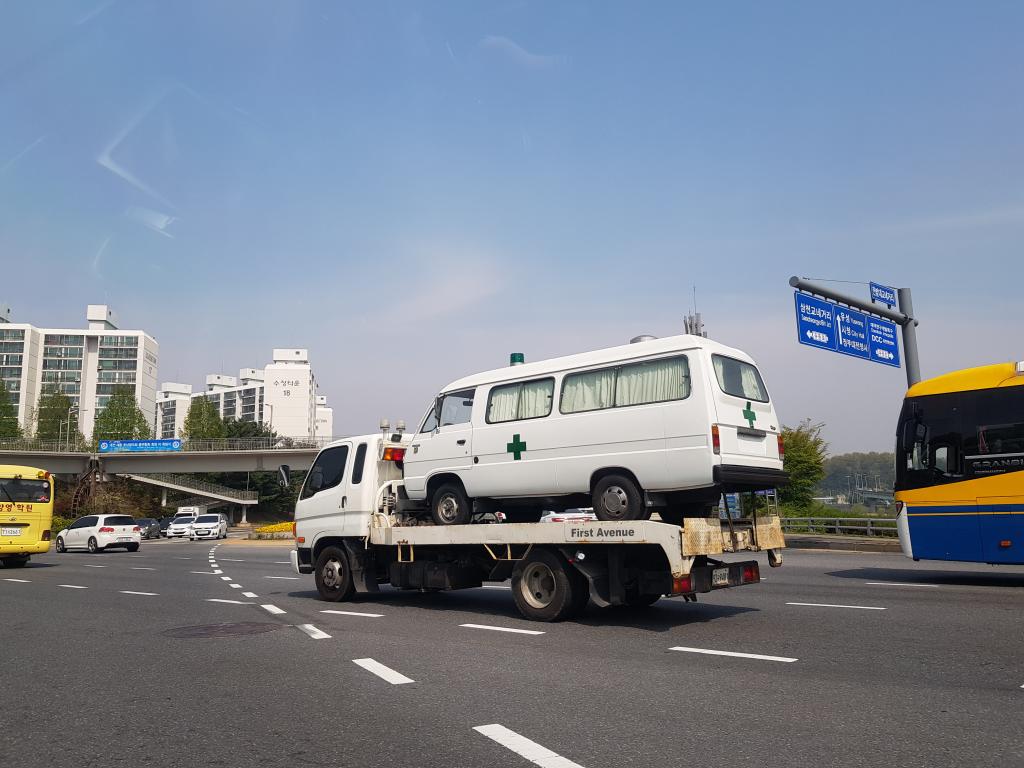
853 660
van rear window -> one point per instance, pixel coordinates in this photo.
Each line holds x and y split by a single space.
739 379
16 489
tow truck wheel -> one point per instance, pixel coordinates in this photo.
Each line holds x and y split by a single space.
333 575
616 498
450 505
546 588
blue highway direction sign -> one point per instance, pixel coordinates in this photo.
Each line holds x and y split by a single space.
826 325
139 446
883 294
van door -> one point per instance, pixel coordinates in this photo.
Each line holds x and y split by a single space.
747 426
443 444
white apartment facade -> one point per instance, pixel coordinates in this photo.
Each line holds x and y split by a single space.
88 365
282 396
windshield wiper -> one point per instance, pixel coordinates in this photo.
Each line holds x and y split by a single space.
3 487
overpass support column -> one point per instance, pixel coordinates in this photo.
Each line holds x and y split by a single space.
244 521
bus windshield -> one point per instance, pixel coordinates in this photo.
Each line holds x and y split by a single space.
17 489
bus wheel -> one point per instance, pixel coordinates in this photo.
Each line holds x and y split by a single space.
334 576
60 545
17 561
546 588
450 505
616 497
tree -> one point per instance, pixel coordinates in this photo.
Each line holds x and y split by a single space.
805 463
245 429
122 419
9 426
52 417
203 421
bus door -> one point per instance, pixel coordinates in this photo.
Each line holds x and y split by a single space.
1000 460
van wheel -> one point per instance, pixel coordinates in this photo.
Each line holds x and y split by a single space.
450 505
617 498
60 545
546 588
334 576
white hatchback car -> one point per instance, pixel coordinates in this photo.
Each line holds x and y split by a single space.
180 526
209 527
94 533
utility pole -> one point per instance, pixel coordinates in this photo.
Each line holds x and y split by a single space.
903 317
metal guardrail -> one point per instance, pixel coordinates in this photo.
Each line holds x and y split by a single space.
842 526
189 481
209 445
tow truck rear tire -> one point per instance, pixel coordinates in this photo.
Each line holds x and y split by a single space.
333 575
450 505
546 588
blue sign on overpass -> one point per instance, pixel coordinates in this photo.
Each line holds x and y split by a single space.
139 446
826 325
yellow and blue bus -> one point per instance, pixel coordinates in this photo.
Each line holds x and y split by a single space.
26 513
960 467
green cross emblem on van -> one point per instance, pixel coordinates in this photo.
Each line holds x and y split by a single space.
516 447
749 414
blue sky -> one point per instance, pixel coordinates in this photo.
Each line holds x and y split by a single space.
413 190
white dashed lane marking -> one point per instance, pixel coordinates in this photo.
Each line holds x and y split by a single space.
149 594
383 672
504 629
250 594
87 565
230 602
231 560
143 569
832 605
272 609
225 578
288 578
353 613
208 573
896 584
524 747
235 586
19 581
709 652
71 586
313 632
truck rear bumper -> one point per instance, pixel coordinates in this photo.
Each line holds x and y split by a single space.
736 477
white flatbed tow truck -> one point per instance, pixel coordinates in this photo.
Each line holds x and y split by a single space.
353 535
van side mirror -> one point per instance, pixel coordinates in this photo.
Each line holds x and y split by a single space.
284 475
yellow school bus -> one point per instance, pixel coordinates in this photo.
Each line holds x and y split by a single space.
26 513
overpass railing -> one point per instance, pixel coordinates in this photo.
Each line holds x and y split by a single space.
204 445
193 483
842 526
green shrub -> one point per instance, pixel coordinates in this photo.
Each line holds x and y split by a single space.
59 524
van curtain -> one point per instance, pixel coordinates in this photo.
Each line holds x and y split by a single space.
653 382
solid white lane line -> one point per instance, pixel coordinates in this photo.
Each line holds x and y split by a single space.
93 566
786 659
384 673
235 586
19 581
129 592
833 605
182 558
232 560
250 594
504 629
281 562
225 578
272 609
896 584
524 747
71 586
313 632
353 613
495 586
230 602
287 578
208 573
134 568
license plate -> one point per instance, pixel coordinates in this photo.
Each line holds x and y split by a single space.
720 577
124 538
10 531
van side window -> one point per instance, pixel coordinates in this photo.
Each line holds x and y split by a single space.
456 407
739 379
357 465
327 471
653 381
588 391
522 400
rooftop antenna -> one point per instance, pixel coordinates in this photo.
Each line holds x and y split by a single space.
692 323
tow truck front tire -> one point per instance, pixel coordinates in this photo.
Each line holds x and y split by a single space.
547 588
333 575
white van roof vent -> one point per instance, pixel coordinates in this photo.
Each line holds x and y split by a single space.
642 337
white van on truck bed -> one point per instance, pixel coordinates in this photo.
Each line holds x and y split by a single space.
661 424
352 533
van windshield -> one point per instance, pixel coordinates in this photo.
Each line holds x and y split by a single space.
739 379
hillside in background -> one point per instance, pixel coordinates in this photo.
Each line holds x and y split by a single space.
851 470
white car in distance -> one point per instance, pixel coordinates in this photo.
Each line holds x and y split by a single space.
180 527
94 533
209 527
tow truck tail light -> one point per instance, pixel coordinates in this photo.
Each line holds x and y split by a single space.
782 447
106 529
681 585
751 574
394 454
716 441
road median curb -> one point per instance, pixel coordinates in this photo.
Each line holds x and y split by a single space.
841 543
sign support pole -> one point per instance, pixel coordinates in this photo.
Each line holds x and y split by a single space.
904 317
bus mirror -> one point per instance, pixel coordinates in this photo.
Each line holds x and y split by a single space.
907 437
284 475
921 434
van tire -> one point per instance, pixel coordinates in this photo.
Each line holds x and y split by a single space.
333 575
450 506
546 588
616 497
